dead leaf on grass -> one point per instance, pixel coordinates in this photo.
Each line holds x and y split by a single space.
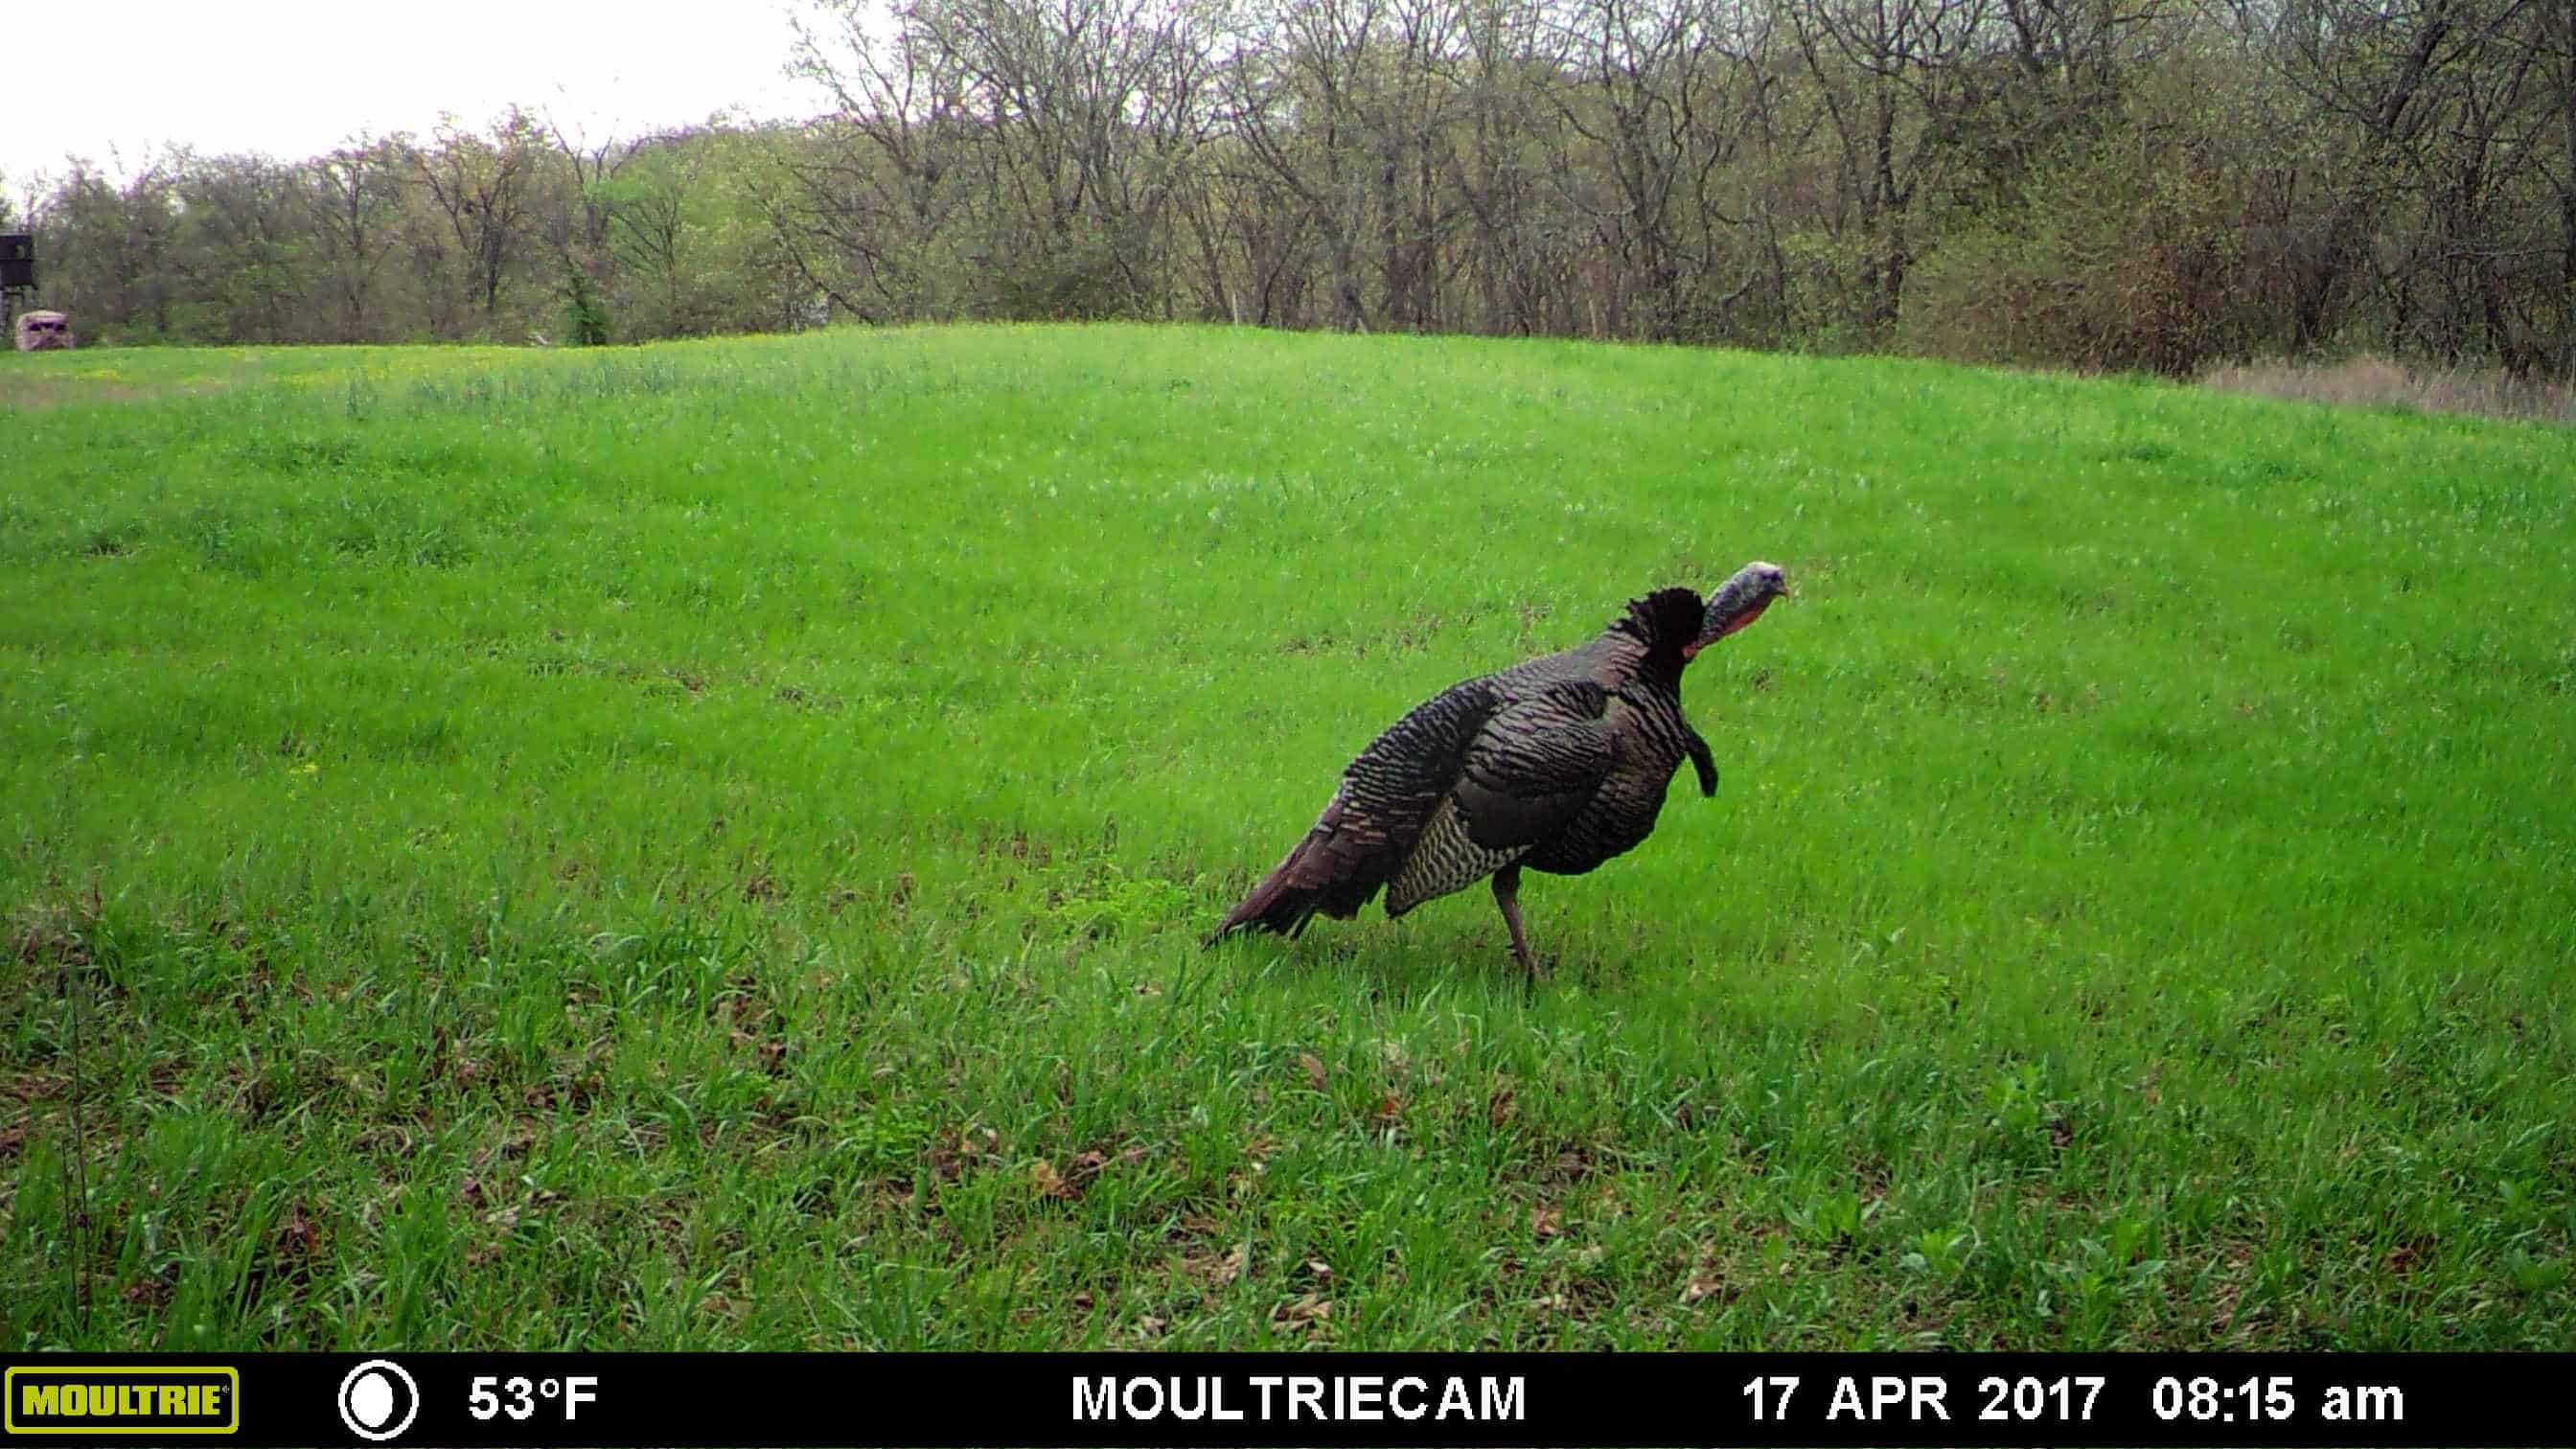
1217 1269
1051 1183
1308 1311
1705 1280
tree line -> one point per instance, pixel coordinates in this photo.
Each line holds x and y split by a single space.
2114 184
508 232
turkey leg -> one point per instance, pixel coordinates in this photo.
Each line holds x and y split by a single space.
1507 894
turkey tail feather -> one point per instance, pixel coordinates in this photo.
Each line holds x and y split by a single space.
1316 877
1274 905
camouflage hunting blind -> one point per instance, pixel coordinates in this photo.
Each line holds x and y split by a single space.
40 330
37 330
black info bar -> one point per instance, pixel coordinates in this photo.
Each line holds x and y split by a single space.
682 1399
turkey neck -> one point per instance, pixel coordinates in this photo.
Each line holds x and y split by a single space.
1623 656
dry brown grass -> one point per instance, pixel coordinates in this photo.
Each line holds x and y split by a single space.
2370 380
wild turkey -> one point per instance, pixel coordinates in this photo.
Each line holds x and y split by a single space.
1557 764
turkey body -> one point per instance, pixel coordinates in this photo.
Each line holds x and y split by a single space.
1557 764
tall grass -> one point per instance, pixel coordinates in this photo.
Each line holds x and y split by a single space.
707 845
2368 381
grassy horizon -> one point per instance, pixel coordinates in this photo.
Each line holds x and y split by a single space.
706 845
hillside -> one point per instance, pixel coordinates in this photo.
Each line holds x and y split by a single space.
706 845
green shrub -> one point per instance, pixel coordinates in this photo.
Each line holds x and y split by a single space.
2122 259
586 316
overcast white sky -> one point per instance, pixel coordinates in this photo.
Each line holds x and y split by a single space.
293 77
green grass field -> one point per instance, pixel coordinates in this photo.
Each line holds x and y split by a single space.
707 845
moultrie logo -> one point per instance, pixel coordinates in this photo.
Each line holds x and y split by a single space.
94 1399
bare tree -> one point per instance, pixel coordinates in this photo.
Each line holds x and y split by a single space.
580 232
244 231
2383 76
111 259
881 182
1886 72
481 184
355 193
1524 240
1311 95
1666 95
